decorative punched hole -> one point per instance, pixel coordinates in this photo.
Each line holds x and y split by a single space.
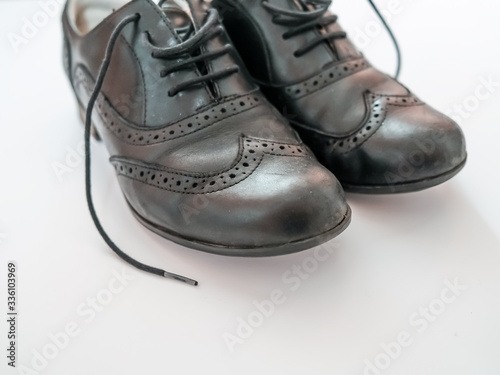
168 180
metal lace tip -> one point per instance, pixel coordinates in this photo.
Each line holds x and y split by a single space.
183 279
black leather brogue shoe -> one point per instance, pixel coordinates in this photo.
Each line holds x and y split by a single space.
367 128
201 156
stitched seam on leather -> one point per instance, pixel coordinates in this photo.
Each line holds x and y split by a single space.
200 111
156 168
180 136
190 193
202 193
401 105
237 160
181 173
226 100
364 120
362 124
359 144
157 130
410 95
248 149
204 109
384 117
325 78
377 114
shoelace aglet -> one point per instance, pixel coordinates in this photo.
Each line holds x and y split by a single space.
183 279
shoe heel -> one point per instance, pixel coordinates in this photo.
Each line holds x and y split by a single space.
93 130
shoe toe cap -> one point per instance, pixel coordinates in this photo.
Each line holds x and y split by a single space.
282 204
287 204
412 144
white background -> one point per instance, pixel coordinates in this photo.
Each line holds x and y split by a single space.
395 258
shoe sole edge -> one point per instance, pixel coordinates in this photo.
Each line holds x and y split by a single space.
251 252
404 187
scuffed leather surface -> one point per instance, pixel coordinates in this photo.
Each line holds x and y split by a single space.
413 143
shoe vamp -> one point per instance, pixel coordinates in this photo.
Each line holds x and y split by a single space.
340 108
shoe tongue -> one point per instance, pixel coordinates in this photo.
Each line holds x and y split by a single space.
198 9
178 17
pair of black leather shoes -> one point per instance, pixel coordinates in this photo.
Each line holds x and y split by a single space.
204 158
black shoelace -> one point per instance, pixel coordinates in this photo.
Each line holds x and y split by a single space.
301 21
190 42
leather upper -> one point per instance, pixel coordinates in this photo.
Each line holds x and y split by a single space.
359 122
215 163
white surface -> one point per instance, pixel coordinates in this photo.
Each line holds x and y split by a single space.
394 258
